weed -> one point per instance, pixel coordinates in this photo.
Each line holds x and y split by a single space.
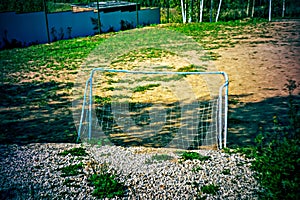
106 185
191 68
210 189
159 157
74 152
197 169
226 171
102 100
144 88
194 156
276 155
72 170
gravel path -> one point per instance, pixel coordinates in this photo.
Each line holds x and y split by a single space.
34 172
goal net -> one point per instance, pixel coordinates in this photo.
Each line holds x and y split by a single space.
151 87
153 109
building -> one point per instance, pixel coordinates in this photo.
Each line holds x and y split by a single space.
108 6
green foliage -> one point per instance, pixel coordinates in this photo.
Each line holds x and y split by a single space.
159 157
193 156
145 87
210 189
106 185
191 68
102 100
226 171
74 152
276 155
72 170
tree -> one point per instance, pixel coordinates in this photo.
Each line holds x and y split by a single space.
219 8
283 8
253 8
201 10
270 10
183 10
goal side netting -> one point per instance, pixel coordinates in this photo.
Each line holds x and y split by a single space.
154 109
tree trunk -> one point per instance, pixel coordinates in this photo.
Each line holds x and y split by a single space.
248 8
270 10
253 6
211 10
218 13
283 8
183 11
201 10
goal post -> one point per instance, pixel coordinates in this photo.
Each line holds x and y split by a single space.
154 108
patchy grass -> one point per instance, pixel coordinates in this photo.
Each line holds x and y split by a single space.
74 152
193 156
72 170
145 87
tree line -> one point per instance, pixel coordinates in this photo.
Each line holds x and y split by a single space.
189 10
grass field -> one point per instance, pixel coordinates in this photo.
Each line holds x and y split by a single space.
36 86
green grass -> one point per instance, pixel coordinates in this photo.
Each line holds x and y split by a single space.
159 158
276 154
74 152
193 156
220 34
210 189
72 170
106 185
145 87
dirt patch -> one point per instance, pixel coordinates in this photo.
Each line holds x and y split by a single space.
258 68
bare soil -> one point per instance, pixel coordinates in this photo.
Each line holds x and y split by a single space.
258 69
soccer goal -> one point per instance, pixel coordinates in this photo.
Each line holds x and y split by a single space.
154 109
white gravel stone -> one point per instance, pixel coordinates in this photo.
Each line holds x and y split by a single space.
33 172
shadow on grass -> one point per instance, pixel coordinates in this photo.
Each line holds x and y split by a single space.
36 113
244 121
41 112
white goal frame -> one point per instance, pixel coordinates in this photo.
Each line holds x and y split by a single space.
221 112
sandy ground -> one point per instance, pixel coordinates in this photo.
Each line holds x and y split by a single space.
259 68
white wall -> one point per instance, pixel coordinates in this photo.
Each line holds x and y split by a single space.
31 27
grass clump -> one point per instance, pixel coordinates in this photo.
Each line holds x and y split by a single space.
80 151
276 155
193 156
210 189
191 68
160 158
106 185
145 87
102 100
72 170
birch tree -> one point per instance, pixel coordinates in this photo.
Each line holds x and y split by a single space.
270 10
283 8
201 10
248 8
218 12
253 6
183 10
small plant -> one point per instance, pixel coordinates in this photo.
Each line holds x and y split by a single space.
197 169
210 189
193 156
226 171
74 152
106 185
144 88
159 157
72 170
102 100
191 68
